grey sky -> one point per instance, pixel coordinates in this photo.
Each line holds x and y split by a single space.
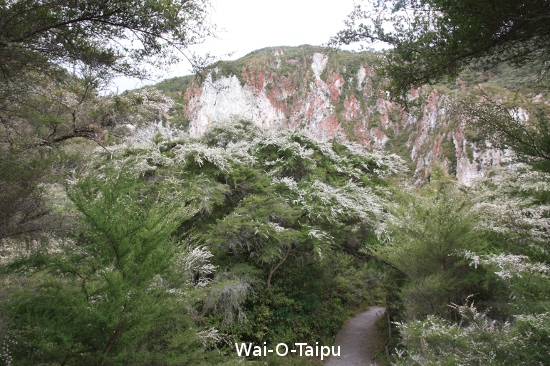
248 25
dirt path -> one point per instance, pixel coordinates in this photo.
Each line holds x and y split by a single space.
356 340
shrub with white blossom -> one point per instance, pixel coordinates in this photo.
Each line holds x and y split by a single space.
223 233
512 213
476 340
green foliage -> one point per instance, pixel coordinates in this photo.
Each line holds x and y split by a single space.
506 272
470 153
524 128
289 208
449 153
515 208
477 340
503 77
110 296
96 36
426 230
436 39
280 216
174 85
22 200
312 302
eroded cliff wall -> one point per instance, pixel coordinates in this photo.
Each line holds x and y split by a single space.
334 94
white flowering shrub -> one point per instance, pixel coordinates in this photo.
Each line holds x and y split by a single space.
221 158
279 204
195 264
139 108
118 289
509 212
288 183
515 206
237 234
476 340
508 265
516 203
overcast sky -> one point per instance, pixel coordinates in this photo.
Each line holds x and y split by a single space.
247 25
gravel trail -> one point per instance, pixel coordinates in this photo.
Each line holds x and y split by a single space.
356 340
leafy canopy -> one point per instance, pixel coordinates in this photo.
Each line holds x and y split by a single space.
265 194
277 215
112 35
284 216
524 128
434 39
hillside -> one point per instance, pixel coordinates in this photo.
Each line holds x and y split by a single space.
332 93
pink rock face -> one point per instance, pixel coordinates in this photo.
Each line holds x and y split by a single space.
327 128
334 84
305 92
378 137
352 108
362 133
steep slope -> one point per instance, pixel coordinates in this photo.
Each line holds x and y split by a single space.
338 94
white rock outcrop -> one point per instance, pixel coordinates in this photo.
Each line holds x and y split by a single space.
225 99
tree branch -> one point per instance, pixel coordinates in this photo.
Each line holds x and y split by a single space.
277 267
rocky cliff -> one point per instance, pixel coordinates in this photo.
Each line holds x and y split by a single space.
338 94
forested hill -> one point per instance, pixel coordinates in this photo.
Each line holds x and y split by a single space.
332 93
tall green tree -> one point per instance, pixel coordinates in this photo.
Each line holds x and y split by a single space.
428 229
26 214
44 134
42 105
512 209
115 293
